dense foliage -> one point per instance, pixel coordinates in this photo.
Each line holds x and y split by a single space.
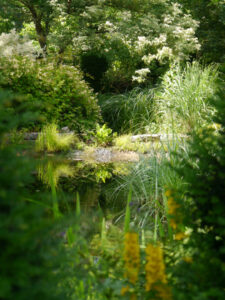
28 238
59 91
88 230
203 210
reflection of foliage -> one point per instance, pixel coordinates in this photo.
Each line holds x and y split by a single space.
121 169
102 172
51 172
102 175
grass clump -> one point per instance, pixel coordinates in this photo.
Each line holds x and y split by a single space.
129 112
51 141
184 99
125 143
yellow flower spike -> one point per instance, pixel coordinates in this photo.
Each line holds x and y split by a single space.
174 215
131 257
155 272
168 193
155 268
124 290
133 297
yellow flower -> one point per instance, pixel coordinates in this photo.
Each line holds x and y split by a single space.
174 214
172 206
168 193
155 272
188 259
124 290
131 257
155 268
179 236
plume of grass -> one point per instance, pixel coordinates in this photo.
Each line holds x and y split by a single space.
50 140
183 102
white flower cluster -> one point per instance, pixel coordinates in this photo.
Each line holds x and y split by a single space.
141 75
13 44
172 38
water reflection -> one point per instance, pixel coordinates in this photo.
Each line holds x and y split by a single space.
93 182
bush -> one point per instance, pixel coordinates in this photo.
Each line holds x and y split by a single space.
30 264
60 91
204 210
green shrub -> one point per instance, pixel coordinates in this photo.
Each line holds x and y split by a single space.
204 209
49 139
30 264
59 90
103 135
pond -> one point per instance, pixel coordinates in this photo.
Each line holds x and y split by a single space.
97 184
103 187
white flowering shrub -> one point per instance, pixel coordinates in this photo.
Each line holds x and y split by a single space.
136 39
12 44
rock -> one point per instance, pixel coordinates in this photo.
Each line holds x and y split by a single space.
30 135
65 129
103 155
145 137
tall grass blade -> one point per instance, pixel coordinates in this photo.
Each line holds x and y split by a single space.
77 204
127 213
103 232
